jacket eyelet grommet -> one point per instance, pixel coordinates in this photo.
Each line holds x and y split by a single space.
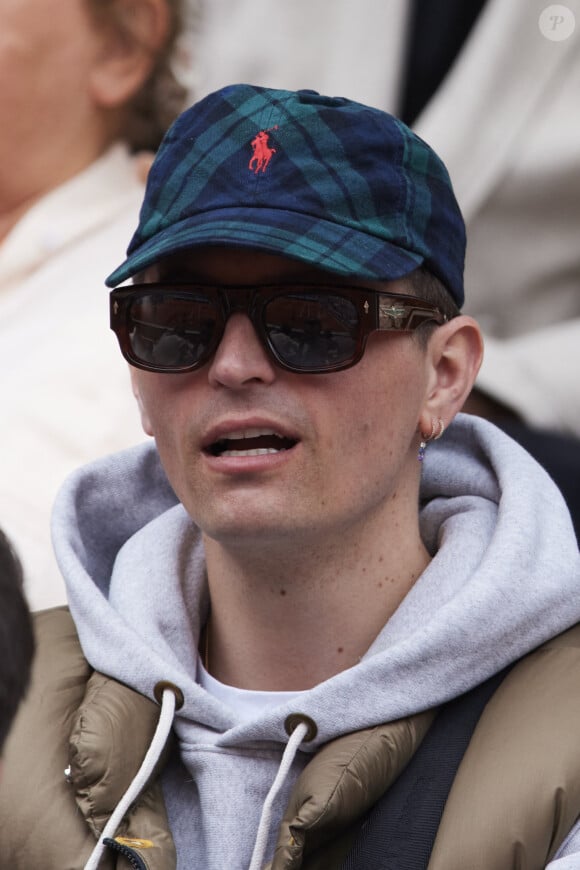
165 684
295 719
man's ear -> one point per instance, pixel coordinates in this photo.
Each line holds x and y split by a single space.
131 41
145 421
454 355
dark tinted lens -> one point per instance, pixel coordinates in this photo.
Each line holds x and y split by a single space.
312 331
170 330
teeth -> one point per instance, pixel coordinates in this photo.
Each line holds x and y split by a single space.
226 445
250 433
261 451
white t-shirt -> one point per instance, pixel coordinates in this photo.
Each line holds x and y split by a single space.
246 703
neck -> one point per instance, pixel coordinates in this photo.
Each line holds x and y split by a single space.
289 620
31 177
10 217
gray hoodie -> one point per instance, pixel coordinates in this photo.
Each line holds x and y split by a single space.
505 577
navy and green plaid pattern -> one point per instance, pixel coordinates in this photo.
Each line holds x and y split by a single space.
328 181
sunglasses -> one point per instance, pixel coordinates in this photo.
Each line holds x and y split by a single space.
308 329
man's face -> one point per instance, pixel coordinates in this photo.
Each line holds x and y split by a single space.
256 453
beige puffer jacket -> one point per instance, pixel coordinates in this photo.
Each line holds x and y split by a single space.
523 757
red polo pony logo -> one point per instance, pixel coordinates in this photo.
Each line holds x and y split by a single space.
261 151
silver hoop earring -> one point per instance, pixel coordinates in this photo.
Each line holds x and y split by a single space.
437 430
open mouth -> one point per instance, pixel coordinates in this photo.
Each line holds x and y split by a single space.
251 442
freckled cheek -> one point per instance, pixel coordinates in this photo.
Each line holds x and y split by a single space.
171 428
164 401
353 445
377 447
347 427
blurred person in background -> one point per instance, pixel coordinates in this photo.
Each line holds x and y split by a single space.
87 87
442 68
16 637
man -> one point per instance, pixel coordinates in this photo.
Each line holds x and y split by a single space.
16 639
87 87
492 86
488 84
315 558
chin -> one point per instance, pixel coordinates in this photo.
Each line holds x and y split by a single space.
240 532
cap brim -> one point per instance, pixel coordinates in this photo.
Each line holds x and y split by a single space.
321 243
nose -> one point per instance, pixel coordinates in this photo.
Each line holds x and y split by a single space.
240 358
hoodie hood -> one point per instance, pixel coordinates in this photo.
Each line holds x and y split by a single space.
504 578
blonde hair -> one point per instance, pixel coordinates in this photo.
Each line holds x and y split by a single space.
162 96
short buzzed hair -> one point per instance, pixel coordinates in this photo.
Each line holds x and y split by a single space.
423 284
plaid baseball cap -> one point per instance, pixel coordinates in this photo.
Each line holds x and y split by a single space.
325 180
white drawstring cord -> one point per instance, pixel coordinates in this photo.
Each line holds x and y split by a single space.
151 758
261 843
